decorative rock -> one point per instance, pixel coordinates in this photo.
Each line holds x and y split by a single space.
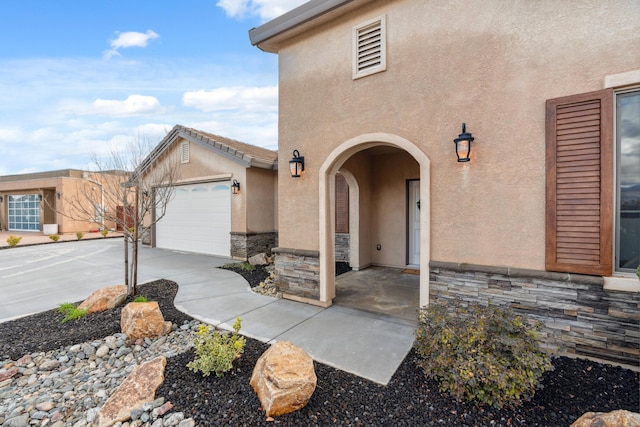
259 259
143 319
619 418
139 387
105 299
283 378
49 365
8 373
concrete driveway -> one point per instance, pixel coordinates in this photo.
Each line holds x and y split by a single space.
39 278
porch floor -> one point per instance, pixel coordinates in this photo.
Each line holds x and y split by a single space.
381 290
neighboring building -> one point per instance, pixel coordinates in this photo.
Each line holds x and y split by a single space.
545 216
29 201
204 215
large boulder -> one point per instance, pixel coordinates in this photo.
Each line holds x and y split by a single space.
283 378
143 320
619 418
105 299
139 387
259 259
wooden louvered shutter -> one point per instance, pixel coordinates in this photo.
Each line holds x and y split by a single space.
579 183
342 205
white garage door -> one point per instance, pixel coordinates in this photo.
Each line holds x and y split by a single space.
198 219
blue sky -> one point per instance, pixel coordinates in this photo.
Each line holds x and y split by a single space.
81 77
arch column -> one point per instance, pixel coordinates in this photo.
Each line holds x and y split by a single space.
331 165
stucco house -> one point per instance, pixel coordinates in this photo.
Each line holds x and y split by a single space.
539 209
30 201
224 200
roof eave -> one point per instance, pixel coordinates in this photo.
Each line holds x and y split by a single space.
307 12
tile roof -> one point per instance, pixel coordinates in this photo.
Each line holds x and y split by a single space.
246 154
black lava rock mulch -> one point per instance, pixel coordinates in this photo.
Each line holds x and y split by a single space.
254 276
342 399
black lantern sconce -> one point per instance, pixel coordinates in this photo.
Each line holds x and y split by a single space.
58 195
40 197
1 199
235 187
463 144
296 165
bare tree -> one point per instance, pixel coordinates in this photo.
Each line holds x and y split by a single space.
128 191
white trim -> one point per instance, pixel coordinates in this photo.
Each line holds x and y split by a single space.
622 283
623 79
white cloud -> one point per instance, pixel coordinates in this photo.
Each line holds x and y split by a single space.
129 39
132 106
233 98
265 9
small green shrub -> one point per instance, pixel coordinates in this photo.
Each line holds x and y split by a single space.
13 241
244 266
479 353
140 298
54 237
216 351
104 232
79 234
71 312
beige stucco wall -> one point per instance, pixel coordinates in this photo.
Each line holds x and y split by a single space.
261 193
490 64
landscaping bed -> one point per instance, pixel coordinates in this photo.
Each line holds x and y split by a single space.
573 388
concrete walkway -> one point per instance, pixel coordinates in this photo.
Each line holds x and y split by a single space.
39 278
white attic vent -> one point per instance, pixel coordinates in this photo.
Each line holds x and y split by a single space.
369 45
184 152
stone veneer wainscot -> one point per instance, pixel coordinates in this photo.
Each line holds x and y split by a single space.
578 315
298 272
246 245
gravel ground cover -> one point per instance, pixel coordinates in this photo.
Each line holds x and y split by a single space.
573 388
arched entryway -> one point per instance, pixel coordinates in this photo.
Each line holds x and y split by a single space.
335 163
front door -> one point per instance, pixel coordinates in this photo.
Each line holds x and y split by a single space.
414 223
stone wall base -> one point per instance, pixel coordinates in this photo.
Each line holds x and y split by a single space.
342 247
578 316
297 272
245 245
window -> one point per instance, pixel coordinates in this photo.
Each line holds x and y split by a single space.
369 48
184 152
627 215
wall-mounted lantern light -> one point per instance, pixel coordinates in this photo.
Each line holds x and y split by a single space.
235 187
58 195
296 165
1 199
463 144
40 197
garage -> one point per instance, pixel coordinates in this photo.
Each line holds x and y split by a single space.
24 212
197 219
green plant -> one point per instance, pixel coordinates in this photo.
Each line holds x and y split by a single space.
140 298
638 272
71 312
104 232
482 353
244 266
54 237
216 351
79 234
13 240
